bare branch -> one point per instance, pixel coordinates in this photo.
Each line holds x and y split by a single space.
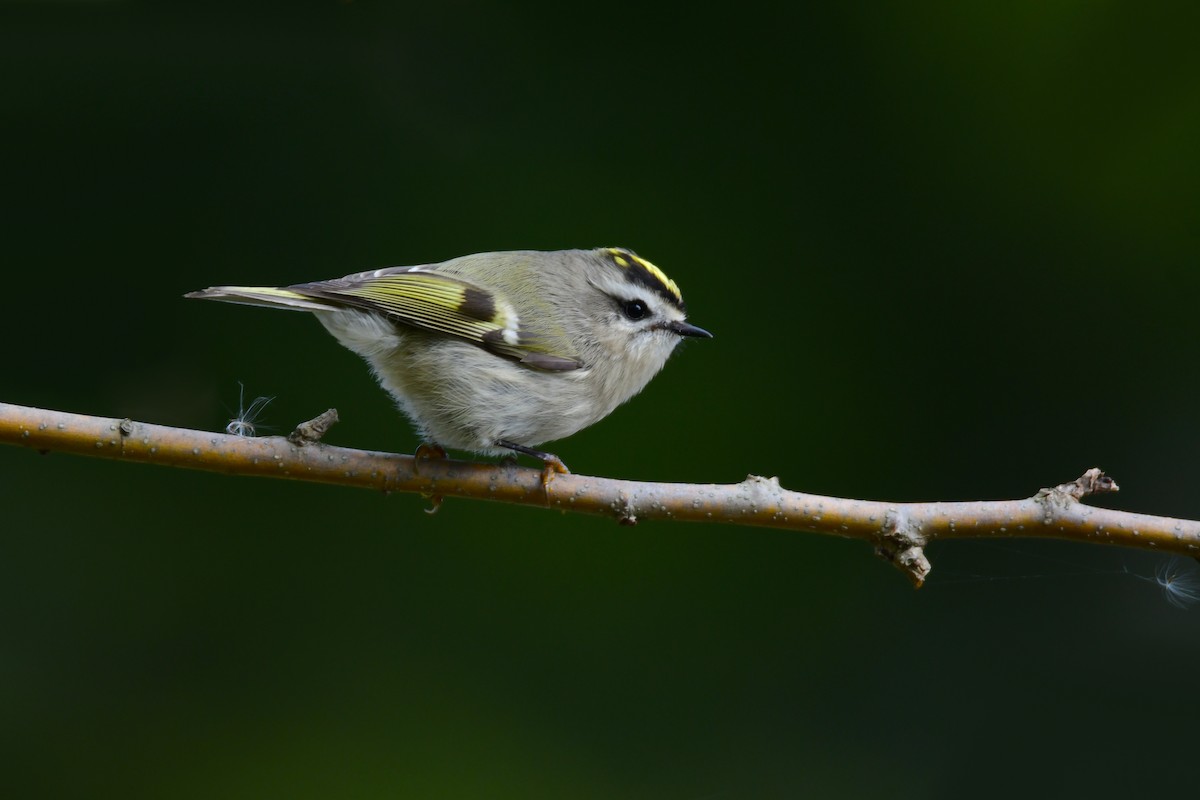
899 531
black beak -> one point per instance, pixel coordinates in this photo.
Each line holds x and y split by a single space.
687 329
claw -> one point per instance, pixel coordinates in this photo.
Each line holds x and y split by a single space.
552 465
428 451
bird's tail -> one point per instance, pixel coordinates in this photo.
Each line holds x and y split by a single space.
262 296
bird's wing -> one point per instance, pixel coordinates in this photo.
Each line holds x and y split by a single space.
446 304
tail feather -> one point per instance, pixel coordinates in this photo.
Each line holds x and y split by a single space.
262 296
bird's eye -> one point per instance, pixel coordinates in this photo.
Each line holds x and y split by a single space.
634 309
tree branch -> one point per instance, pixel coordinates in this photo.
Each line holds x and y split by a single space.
899 531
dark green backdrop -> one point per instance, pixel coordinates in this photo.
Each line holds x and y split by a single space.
949 251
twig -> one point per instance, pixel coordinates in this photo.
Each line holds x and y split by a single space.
311 432
899 531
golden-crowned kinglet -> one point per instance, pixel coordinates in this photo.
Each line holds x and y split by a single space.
500 351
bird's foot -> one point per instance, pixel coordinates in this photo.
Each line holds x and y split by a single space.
551 464
428 451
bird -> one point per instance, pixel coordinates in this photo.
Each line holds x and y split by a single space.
498 353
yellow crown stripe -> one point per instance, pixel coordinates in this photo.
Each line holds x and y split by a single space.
626 259
662 276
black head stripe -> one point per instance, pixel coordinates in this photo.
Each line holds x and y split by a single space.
640 276
641 272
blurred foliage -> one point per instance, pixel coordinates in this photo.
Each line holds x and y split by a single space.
948 250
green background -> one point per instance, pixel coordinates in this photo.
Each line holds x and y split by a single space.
949 251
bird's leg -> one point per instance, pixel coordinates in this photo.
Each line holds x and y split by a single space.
551 464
